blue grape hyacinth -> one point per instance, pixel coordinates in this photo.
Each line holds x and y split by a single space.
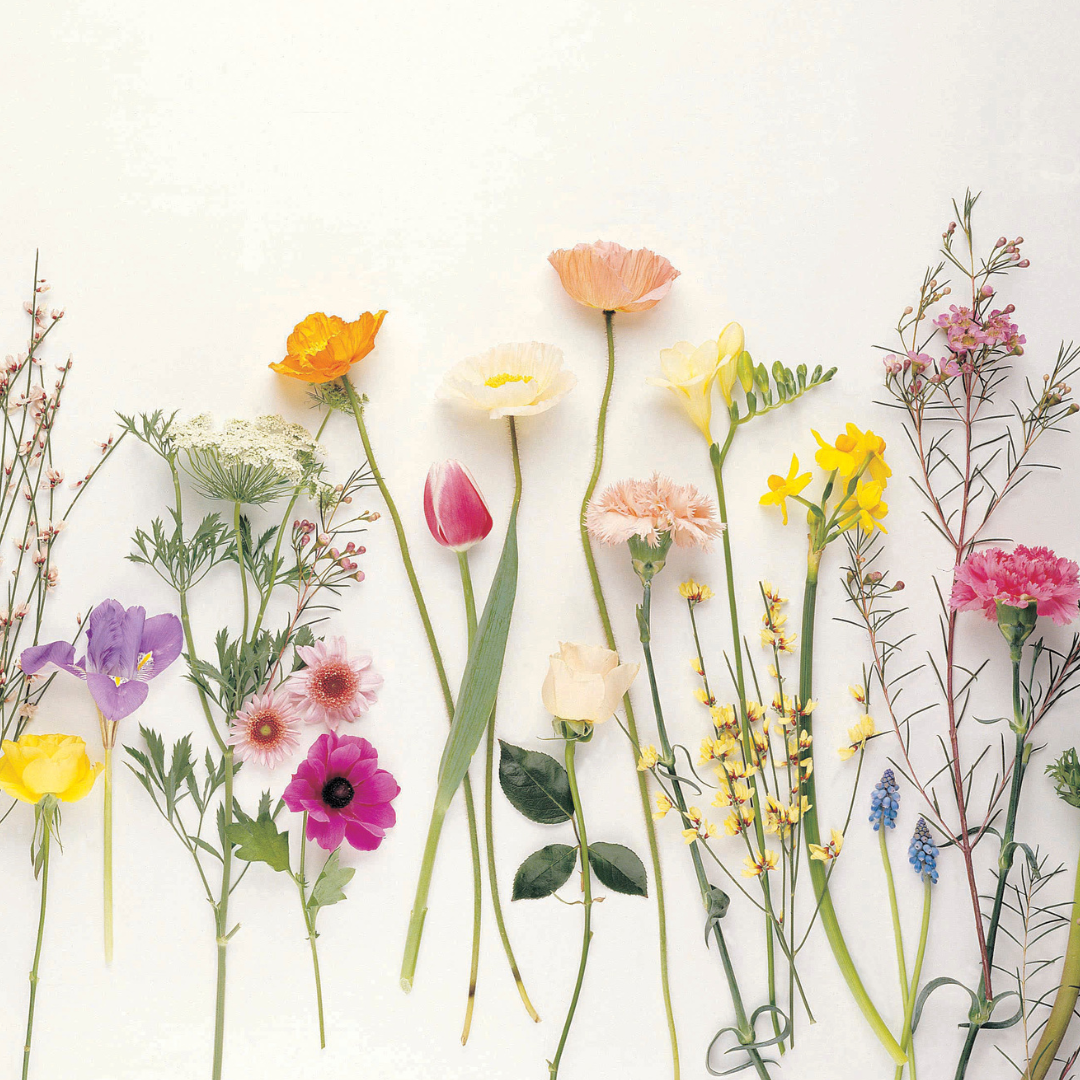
885 801
923 852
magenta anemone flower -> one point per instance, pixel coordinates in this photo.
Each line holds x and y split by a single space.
124 651
1017 578
333 686
344 793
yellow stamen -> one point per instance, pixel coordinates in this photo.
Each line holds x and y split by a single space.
502 379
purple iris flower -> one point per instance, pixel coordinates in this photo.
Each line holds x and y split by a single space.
124 651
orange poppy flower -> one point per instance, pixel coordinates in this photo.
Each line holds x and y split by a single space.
323 347
613 278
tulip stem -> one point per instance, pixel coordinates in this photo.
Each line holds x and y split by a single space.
489 826
586 893
440 668
46 836
628 707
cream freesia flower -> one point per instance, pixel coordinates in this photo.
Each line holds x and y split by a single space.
510 380
689 373
729 348
586 683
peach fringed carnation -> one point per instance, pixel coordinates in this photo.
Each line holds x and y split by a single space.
613 278
510 380
323 347
334 686
266 730
1017 578
648 508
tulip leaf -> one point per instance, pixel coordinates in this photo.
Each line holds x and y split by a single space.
330 884
536 784
258 840
544 871
618 869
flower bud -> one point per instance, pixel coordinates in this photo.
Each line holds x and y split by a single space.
455 510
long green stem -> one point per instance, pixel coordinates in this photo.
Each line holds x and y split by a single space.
429 632
241 558
812 831
742 1023
108 741
907 1042
1061 1013
489 824
898 934
628 707
1005 856
716 457
45 843
586 891
309 923
221 917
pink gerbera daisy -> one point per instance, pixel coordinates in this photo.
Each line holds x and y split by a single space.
333 686
1017 578
344 793
648 508
266 730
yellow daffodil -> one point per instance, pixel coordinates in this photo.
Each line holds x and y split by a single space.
760 864
783 487
853 452
695 592
649 757
865 508
689 373
857 737
828 852
663 805
40 765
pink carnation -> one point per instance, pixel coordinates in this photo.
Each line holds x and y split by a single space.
1017 578
647 508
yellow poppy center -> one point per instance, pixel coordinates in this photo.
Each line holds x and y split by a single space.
505 377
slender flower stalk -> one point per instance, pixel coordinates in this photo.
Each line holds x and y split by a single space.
309 923
922 854
571 741
440 668
628 707
108 741
34 979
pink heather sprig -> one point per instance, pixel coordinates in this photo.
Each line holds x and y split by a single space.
1017 578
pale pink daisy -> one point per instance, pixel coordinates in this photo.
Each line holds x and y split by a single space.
266 730
648 508
334 686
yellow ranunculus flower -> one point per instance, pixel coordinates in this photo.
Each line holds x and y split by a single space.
40 765
586 683
781 487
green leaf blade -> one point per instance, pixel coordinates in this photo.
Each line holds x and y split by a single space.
618 869
535 784
544 871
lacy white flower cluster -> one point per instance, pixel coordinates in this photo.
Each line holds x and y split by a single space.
265 442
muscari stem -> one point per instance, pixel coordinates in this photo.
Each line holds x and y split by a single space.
907 1038
45 843
704 886
586 890
628 708
309 923
812 831
436 656
898 935
1064 1000
717 457
1005 856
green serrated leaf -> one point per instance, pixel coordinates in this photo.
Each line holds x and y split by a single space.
330 885
259 840
536 784
544 871
618 869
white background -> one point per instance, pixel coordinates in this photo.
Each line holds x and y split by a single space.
199 178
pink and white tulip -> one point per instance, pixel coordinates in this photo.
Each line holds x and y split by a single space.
456 512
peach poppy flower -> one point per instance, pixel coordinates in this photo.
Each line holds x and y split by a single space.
323 347
613 278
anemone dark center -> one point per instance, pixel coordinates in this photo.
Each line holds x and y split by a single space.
337 793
